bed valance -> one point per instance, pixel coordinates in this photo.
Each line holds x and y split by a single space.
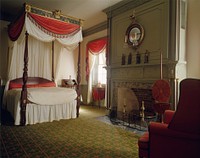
46 26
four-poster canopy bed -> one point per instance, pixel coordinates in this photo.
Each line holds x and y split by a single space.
38 93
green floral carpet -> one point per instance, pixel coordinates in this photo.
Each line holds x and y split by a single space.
83 137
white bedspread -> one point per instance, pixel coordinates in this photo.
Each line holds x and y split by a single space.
48 104
51 95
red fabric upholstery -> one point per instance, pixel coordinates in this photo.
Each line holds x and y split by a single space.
168 115
143 144
144 140
165 143
161 107
188 109
179 138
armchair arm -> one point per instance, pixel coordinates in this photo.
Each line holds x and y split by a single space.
180 144
168 115
163 130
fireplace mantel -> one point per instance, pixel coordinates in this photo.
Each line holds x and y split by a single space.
152 64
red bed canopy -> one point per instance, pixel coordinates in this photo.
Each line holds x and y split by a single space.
52 23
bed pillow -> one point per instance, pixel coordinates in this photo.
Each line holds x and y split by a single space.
17 85
48 84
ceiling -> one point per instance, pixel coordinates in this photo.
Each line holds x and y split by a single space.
88 10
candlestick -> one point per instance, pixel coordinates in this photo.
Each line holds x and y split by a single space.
129 58
123 59
124 101
143 105
137 58
146 57
142 109
125 40
124 110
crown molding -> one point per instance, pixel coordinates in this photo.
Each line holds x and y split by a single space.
97 28
123 6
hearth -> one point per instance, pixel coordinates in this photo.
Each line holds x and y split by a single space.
128 98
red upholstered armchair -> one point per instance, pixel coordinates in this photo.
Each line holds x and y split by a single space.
179 135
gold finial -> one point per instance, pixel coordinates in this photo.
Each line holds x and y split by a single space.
57 14
28 8
133 17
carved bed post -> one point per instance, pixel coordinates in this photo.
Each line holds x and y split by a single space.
78 82
53 61
23 98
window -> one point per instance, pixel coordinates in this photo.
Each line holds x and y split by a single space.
99 72
96 74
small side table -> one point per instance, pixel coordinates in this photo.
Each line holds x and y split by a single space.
65 83
98 94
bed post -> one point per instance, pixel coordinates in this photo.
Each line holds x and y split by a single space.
53 61
78 82
23 99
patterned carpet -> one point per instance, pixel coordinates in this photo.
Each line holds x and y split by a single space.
84 137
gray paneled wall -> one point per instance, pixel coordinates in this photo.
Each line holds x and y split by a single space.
154 16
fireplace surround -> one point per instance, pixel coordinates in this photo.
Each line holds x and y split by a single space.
129 95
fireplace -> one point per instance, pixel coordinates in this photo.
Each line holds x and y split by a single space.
127 102
128 96
145 95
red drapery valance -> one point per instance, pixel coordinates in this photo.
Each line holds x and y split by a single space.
94 47
15 29
48 25
53 25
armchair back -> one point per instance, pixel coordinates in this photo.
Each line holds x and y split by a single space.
187 116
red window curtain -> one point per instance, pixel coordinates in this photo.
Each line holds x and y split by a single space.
53 25
94 47
15 29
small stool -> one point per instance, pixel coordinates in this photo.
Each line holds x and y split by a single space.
143 145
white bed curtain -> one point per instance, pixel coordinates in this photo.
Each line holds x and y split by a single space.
40 54
66 65
39 64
